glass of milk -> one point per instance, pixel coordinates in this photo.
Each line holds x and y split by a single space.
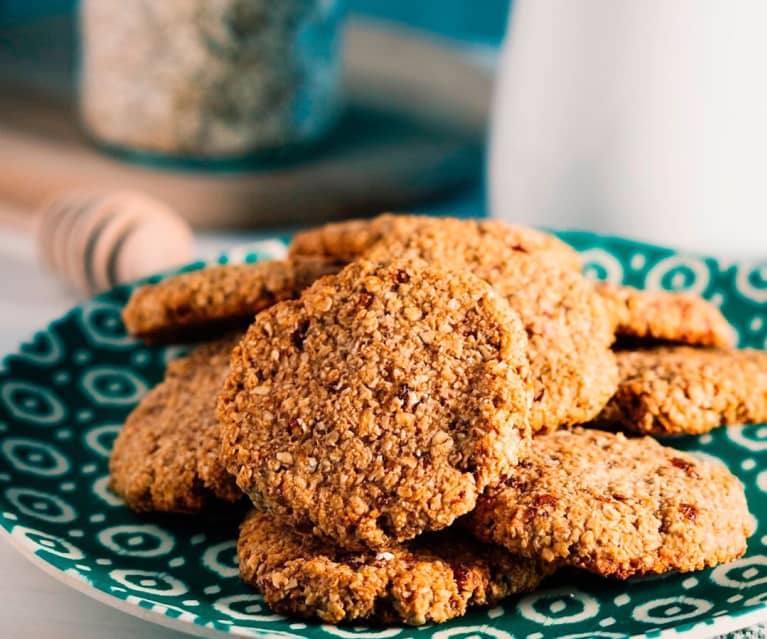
641 118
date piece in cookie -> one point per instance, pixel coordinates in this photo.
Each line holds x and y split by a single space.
568 327
216 298
348 240
672 390
665 316
616 506
380 404
166 457
429 580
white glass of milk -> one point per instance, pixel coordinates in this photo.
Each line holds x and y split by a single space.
642 118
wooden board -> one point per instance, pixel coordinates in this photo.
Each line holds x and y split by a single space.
413 129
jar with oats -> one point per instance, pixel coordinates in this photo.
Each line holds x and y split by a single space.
208 79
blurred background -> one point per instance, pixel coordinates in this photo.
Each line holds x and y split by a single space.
457 19
237 118
138 135
242 114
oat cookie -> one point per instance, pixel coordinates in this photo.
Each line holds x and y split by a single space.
568 327
666 316
166 457
380 404
346 241
574 370
671 390
616 506
429 580
217 297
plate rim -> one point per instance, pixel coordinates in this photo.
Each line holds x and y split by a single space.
749 616
103 597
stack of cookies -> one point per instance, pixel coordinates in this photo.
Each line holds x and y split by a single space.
429 414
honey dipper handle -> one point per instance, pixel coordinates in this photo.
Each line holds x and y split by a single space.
94 240
17 218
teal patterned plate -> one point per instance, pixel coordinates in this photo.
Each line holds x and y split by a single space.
64 394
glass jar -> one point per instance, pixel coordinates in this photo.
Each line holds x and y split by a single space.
209 79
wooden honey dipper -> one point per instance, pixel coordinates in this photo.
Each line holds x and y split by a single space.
96 240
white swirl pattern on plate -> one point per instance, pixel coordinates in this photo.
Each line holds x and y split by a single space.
150 582
751 281
599 264
94 436
115 386
102 325
212 559
671 609
34 457
562 606
137 541
40 541
679 273
44 349
41 505
32 403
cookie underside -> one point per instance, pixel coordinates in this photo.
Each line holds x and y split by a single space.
433 579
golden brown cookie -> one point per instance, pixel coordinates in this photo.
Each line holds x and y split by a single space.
380 404
166 457
431 579
574 370
568 327
216 298
616 506
671 390
665 316
348 240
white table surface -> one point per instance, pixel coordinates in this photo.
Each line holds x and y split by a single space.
33 604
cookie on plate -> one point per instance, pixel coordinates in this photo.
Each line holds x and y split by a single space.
429 580
574 371
166 457
568 327
671 390
616 506
665 316
380 404
348 240
216 298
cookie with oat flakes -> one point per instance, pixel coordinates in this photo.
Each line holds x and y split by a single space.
380 404
348 240
568 327
616 506
671 390
214 299
166 457
428 580
665 316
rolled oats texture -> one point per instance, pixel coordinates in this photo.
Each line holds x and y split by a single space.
208 78
674 390
205 302
665 316
166 456
616 506
378 405
431 579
